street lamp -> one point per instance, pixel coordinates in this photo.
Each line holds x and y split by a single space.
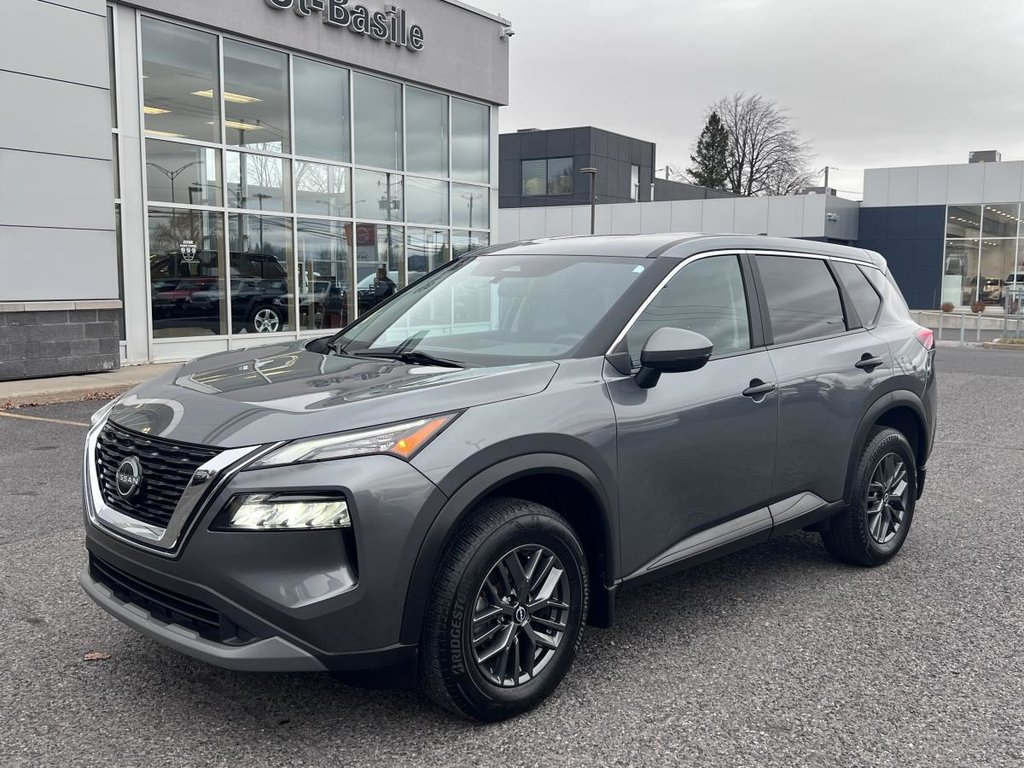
592 173
173 175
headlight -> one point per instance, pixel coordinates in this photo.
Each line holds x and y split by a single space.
102 413
402 440
265 512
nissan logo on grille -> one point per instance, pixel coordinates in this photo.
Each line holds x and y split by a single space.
128 479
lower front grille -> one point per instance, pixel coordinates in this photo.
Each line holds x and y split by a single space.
168 607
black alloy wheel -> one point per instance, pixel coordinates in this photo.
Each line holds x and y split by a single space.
880 504
520 615
506 615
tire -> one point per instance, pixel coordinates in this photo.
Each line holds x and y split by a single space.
266 320
879 510
475 680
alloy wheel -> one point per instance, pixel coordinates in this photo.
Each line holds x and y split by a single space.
266 321
520 616
887 498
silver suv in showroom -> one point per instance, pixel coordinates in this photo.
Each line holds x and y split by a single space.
450 488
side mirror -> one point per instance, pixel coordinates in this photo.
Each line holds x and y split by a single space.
671 350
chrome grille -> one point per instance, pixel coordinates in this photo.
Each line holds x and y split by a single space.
167 468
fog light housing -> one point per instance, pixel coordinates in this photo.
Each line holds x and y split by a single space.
271 512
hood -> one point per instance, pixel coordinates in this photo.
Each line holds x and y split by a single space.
284 392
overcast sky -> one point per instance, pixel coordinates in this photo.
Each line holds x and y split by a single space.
871 83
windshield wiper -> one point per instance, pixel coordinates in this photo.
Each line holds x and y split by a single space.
335 347
414 358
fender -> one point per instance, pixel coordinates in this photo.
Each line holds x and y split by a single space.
465 498
896 399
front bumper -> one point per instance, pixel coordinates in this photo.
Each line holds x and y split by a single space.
303 600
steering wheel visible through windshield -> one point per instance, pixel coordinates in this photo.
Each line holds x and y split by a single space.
496 310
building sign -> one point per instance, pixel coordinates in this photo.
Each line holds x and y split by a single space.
188 250
389 25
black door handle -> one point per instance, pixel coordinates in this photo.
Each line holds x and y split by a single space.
758 389
869 362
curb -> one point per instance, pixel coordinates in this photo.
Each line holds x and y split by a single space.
65 396
998 345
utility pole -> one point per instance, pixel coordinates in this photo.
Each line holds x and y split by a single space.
826 180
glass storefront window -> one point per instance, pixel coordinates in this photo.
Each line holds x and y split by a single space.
426 126
260 255
426 201
378 122
256 110
322 190
471 137
379 195
470 206
998 258
182 173
427 250
322 111
380 261
186 254
960 273
464 242
325 298
963 221
258 182
181 82
1000 220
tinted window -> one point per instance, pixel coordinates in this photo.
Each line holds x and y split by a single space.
321 110
707 297
378 122
255 97
865 299
803 299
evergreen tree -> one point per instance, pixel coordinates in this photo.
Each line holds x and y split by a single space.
711 159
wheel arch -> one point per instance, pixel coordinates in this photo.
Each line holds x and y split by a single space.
558 481
903 411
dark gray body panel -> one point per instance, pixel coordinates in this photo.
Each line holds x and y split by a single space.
673 475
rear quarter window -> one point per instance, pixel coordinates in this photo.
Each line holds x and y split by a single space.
863 295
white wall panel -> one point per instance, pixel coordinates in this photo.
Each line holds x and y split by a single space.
47 40
626 218
687 215
966 183
581 220
902 186
876 187
39 190
719 216
559 221
751 215
656 217
1002 182
932 184
785 217
57 264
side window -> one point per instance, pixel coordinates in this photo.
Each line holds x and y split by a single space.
865 299
706 296
803 299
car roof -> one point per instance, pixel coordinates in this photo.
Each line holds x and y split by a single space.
675 245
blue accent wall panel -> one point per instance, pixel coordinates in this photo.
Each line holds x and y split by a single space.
911 239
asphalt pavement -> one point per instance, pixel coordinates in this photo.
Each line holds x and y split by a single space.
773 656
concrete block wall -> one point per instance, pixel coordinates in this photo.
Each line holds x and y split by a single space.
55 338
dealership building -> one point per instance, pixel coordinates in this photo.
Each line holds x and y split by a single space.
181 177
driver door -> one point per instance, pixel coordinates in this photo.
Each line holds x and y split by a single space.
694 452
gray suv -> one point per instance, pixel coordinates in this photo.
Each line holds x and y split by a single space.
452 486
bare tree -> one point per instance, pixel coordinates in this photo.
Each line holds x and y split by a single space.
767 156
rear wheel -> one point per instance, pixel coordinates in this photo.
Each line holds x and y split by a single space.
506 615
876 521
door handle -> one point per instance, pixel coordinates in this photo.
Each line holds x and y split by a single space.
758 390
868 362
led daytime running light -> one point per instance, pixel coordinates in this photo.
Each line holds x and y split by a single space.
261 512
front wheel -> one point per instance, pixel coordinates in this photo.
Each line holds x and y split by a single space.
506 615
880 508
266 320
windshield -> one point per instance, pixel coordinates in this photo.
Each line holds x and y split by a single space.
497 310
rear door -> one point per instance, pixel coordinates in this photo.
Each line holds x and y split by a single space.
829 369
694 451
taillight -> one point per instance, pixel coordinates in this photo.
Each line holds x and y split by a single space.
926 336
